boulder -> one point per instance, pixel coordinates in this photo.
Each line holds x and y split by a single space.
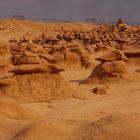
99 90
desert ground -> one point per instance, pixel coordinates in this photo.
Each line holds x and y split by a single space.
69 81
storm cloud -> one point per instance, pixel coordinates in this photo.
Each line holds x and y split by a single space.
72 9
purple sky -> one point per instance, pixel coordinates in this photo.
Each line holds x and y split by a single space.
72 9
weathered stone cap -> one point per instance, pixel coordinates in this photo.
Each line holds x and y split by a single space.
113 56
36 68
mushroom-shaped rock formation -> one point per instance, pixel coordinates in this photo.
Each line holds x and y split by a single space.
25 74
112 68
30 79
108 72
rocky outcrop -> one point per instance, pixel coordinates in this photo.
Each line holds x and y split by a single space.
111 69
27 75
55 45
108 72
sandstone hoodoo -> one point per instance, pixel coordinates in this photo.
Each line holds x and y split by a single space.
36 83
26 76
70 55
97 38
112 68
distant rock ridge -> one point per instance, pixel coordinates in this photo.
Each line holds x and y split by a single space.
19 17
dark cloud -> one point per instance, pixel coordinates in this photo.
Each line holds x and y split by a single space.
72 9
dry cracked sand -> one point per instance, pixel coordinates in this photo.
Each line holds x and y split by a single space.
69 81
